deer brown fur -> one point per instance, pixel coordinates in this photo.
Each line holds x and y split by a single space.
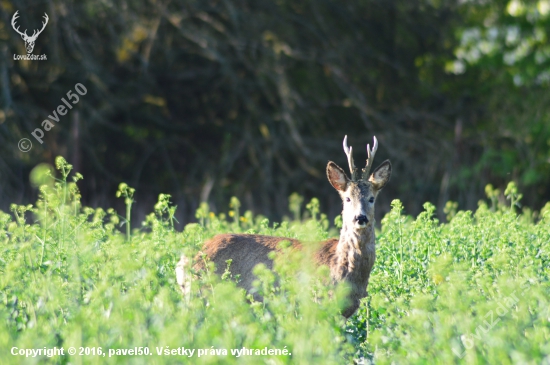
350 257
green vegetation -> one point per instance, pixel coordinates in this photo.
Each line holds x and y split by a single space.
474 290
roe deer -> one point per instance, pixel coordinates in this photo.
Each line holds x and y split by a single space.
349 258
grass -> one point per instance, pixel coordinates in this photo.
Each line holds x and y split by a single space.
474 290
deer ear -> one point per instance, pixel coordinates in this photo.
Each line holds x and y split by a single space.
381 175
337 177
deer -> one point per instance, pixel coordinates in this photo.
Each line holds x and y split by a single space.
350 257
29 41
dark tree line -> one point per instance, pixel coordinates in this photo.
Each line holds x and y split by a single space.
209 99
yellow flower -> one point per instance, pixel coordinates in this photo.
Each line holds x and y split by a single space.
438 279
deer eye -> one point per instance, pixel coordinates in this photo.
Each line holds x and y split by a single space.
371 200
348 200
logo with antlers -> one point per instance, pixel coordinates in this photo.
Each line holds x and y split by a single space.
29 40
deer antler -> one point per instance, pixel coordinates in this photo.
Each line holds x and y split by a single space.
349 153
34 36
24 34
13 19
370 158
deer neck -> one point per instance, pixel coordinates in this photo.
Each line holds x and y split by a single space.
354 256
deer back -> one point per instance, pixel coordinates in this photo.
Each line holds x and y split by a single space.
246 251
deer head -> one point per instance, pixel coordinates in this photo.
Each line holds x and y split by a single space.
359 193
29 40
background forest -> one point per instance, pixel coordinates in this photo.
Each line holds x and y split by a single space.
210 99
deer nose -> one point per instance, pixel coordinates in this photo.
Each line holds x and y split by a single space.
361 219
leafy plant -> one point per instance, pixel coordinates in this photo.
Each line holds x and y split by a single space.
475 289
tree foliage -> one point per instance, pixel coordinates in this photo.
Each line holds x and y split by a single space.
209 99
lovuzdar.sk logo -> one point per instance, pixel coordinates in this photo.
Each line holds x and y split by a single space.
29 40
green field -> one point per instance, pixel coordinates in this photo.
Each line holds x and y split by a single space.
474 290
